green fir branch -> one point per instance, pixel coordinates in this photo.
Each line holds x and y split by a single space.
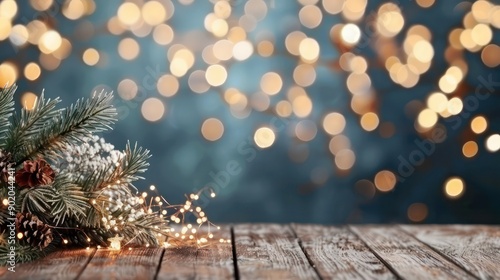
68 200
70 127
30 123
6 108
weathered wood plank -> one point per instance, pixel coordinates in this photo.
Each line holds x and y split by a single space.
64 264
214 261
270 251
337 253
406 256
476 248
138 263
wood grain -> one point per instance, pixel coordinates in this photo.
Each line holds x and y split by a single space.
270 251
475 248
211 262
138 263
64 264
408 257
339 254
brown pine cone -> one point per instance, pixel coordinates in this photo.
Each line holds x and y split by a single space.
34 231
35 173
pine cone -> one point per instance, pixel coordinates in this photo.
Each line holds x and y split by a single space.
35 173
34 231
5 164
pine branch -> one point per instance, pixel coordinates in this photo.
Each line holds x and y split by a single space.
134 162
6 108
72 125
36 200
30 123
68 201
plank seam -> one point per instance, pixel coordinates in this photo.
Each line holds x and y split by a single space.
235 259
159 264
304 251
86 264
438 252
375 254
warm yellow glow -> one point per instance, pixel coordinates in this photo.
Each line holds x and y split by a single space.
345 159
115 243
18 35
334 123
493 143
153 12
50 41
20 235
310 16
417 212
127 89
448 83
265 48
490 56
423 51
152 109
333 7
32 71
129 13
369 121
425 4
222 9
216 75
49 62
385 181
8 74
293 41
350 34
163 34
128 49
64 50
304 75
6 28
470 149
219 27
41 5
309 50
358 65
390 21
212 129
479 124
306 130
455 106
74 9
28 100
91 56
482 34
284 108
167 85
242 50
8 9
302 106
271 83
427 118
454 187
339 143
264 137
437 102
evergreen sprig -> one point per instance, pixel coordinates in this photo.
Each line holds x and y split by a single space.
70 126
6 108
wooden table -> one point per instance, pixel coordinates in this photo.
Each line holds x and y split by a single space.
271 251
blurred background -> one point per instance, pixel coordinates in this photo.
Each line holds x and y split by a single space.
320 111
